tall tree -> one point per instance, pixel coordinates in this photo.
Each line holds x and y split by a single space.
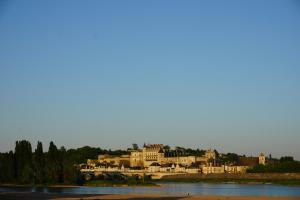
135 146
23 161
55 164
52 163
7 167
39 163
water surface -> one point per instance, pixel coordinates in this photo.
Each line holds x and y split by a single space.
174 189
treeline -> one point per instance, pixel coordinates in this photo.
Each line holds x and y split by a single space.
56 166
186 151
285 164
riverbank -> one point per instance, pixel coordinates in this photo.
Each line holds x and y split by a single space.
107 183
96 183
39 185
37 196
247 178
287 179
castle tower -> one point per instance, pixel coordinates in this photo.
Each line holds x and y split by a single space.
261 159
160 156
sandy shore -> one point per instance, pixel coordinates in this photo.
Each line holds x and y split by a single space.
37 195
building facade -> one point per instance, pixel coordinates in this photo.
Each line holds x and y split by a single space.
155 153
154 158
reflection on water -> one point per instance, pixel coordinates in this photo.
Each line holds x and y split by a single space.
173 189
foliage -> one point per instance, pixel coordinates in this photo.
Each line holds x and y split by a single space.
166 148
23 162
189 151
229 158
286 159
55 166
217 153
60 165
7 167
285 165
135 147
39 162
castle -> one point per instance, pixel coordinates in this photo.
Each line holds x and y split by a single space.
156 153
161 159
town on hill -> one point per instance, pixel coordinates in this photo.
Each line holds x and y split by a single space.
158 160
24 165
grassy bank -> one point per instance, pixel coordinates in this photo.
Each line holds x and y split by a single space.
237 181
244 178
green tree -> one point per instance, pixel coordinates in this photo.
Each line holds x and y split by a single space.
39 164
23 161
135 146
286 159
280 167
167 148
7 174
52 169
217 153
229 158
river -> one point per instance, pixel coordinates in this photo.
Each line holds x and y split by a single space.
228 189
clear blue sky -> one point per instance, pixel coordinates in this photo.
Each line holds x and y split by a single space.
219 74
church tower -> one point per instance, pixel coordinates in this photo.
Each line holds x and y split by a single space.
261 159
